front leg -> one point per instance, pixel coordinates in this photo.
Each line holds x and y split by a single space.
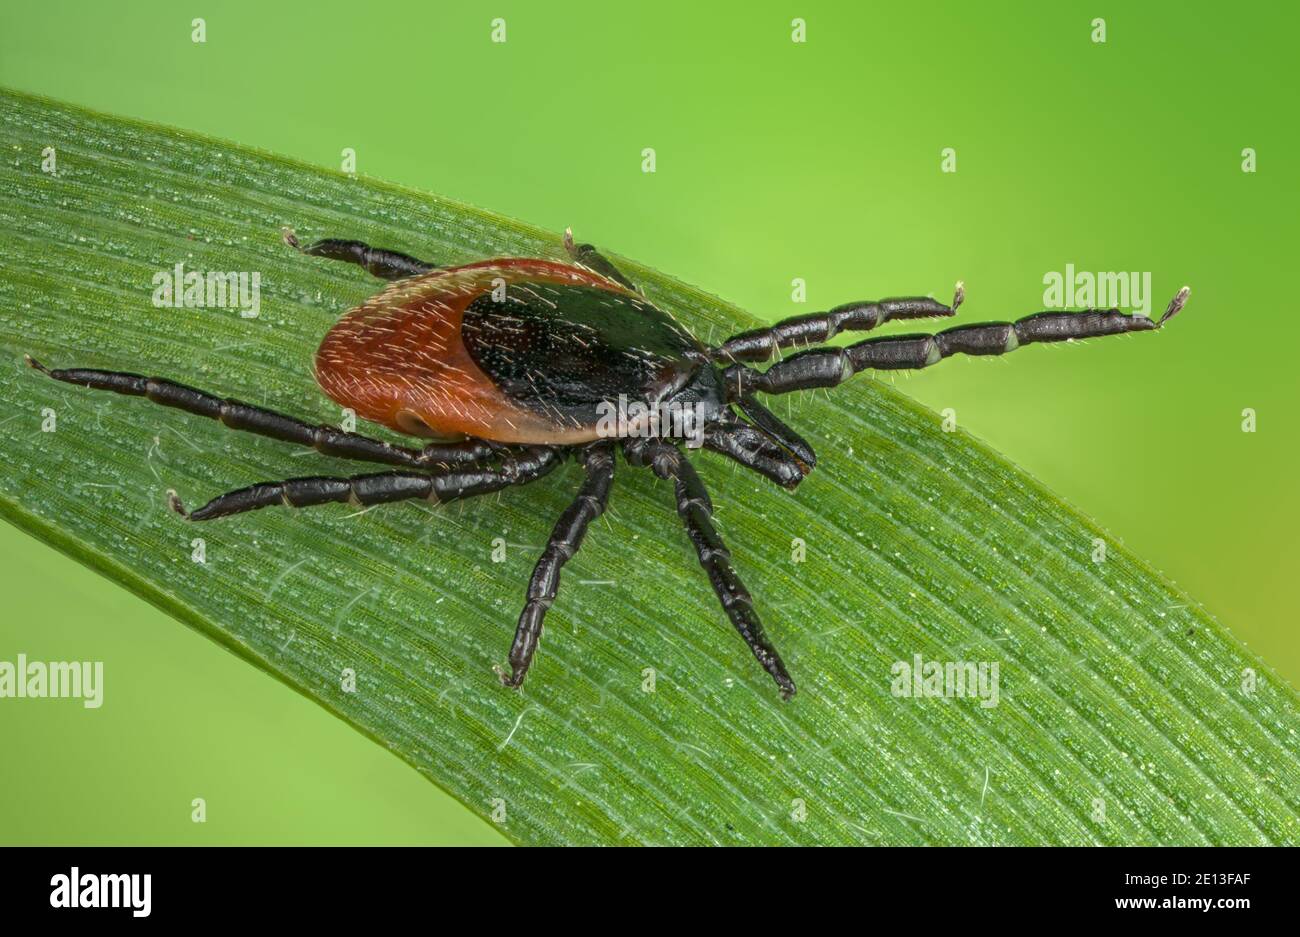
829 367
817 327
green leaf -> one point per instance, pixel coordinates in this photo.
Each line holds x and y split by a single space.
1124 713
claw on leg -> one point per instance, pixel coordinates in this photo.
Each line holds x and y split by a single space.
1175 305
174 503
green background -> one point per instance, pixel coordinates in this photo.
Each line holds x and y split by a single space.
775 160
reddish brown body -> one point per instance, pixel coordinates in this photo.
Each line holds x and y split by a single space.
399 358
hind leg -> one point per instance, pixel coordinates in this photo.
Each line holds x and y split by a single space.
385 264
586 255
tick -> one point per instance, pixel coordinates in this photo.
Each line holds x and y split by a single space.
511 365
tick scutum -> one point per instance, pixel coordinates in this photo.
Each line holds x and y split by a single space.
566 349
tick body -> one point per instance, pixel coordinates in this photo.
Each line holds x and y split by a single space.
508 366
511 351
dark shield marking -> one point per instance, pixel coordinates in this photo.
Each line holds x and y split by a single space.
563 349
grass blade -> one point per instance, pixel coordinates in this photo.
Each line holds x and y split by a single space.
1125 714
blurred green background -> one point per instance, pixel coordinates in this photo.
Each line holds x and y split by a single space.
774 160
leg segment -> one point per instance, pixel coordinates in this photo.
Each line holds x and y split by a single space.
586 255
243 416
763 344
566 538
696 512
826 367
385 264
380 488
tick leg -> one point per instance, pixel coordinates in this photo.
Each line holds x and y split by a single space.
826 367
385 264
263 422
379 488
566 538
586 255
696 512
763 344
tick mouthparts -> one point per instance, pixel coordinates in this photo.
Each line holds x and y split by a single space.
174 502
